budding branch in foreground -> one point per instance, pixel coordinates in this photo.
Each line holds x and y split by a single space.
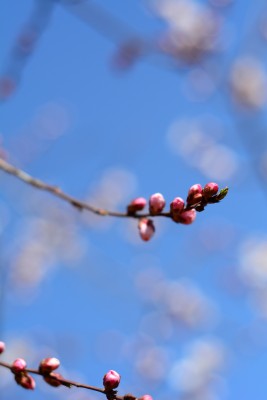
180 211
47 366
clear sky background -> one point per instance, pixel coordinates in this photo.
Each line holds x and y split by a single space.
184 315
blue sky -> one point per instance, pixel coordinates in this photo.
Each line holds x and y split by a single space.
89 291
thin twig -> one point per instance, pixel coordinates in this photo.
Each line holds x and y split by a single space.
56 191
66 382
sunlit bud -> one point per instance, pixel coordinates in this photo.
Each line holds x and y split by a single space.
210 189
146 397
146 228
111 380
26 381
177 205
2 347
52 379
18 365
48 365
197 188
194 194
136 205
156 203
188 216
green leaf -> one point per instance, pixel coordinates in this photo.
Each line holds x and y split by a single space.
222 194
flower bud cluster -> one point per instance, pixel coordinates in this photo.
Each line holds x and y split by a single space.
20 374
47 366
180 211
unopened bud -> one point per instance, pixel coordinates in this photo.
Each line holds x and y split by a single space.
188 216
177 205
136 205
25 380
210 189
156 203
146 229
18 365
2 347
52 379
146 397
194 194
111 380
48 365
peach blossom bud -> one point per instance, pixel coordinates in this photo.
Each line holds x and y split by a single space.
18 365
156 203
210 189
188 216
2 347
177 205
146 397
136 205
194 194
52 379
146 229
111 380
48 365
197 188
26 381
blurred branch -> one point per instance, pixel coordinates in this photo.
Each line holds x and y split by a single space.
100 19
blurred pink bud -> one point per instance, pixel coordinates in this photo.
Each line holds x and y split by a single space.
18 365
52 379
2 347
146 228
194 194
7 86
26 381
127 54
111 380
48 365
146 397
156 203
137 204
210 189
177 205
188 216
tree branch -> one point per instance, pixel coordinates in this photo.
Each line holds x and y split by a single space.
110 394
56 191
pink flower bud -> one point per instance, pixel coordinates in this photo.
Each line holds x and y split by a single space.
25 380
18 365
156 203
146 228
52 379
2 347
146 397
188 216
177 205
111 380
48 365
136 205
194 194
210 189
197 188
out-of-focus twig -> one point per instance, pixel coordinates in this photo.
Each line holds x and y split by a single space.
56 191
